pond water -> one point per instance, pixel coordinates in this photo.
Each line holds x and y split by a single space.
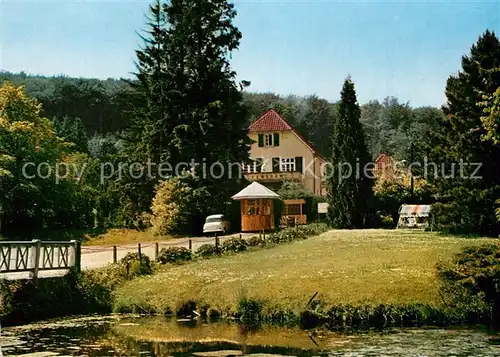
157 336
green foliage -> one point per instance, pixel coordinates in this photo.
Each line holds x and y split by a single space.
349 193
174 255
472 281
248 309
390 126
27 300
102 105
256 241
34 200
457 218
104 146
134 266
497 210
206 251
286 235
296 233
293 190
71 130
176 205
190 128
471 201
89 292
491 119
195 113
389 196
234 245
96 287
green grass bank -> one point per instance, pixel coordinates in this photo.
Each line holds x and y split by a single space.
360 276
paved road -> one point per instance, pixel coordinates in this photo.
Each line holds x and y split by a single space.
99 256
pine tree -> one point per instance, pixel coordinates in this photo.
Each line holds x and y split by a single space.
469 203
147 135
192 108
349 194
72 130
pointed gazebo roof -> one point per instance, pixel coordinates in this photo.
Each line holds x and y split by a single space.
255 191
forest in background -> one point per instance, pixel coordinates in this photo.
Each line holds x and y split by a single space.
98 108
178 113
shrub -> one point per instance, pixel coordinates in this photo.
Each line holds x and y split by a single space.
234 245
174 255
176 205
248 309
472 281
133 267
287 235
470 212
96 286
206 251
314 229
255 241
296 233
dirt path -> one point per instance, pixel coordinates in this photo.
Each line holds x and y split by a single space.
101 255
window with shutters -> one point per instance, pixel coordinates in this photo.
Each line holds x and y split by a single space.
287 164
268 140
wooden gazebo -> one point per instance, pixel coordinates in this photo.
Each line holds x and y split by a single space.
257 209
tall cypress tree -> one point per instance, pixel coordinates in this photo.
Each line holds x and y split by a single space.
468 202
349 188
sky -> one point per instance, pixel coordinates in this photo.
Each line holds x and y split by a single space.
390 48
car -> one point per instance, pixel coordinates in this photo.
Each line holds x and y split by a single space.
216 223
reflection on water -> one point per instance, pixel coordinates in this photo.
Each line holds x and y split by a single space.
156 336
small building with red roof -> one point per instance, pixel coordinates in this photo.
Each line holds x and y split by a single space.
279 153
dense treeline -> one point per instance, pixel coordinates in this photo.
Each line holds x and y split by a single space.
104 106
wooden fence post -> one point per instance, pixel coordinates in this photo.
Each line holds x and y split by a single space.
216 242
115 257
157 250
190 245
139 252
78 255
37 245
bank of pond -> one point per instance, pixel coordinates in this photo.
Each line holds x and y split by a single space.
127 335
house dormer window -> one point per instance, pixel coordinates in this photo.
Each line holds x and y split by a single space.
269 140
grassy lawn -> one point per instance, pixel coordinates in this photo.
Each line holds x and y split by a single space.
344 267
117 236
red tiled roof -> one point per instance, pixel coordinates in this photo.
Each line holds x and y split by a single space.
269 121
272 121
